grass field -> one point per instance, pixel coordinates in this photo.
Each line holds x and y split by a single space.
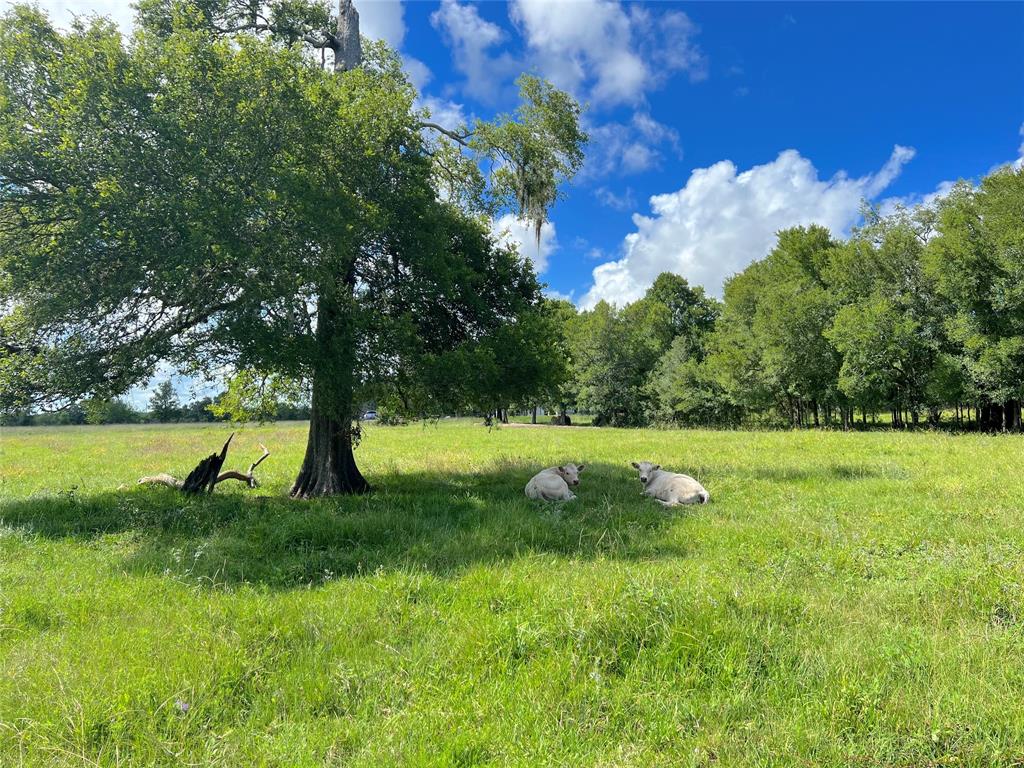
846 599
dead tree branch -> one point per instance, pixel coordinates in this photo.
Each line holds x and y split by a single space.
207 474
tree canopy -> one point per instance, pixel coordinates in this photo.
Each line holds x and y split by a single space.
208 194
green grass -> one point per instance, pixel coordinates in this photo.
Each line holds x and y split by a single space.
846 599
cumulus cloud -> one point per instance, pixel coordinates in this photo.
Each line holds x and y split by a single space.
509 229
444 112
551 293
723 219
418 72
600 51
382 20
472 38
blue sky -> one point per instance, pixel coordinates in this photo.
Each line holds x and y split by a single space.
872 100
716 124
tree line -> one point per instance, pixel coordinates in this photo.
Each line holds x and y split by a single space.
164 407
917 317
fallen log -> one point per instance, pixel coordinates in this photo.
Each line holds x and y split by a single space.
207 473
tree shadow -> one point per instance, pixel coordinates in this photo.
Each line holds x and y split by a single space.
437 523
830 472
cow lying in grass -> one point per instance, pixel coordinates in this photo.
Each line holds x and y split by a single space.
669 488
552 484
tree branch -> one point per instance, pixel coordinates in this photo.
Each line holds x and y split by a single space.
173 482
461 138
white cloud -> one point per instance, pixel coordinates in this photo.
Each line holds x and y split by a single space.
418 72
444 112
877 182
628 148
471 38
382 20
619 202
601 52
889 205
667 42
509 229
551 293
724 219
638 157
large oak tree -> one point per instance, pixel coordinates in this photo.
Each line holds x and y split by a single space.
216 193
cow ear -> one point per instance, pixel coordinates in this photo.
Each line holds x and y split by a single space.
561 469
635 465
657 466
580 467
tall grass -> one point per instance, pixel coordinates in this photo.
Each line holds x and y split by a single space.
846 599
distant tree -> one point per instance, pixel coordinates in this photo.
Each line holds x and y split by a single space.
977 262
735 350
290 411
18 417
884 357
198 410
686 392
678 309
513 364
614 352
121 412
97 410
794 309
163 405
610 375
562 392
770 349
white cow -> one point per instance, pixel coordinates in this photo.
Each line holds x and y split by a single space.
669 488
552 484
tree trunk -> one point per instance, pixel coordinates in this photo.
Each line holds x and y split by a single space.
1011 418
533 420
348 52
329 467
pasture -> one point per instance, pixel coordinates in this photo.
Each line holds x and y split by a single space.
845 599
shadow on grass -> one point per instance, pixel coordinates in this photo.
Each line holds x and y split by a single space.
442 524
831 472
